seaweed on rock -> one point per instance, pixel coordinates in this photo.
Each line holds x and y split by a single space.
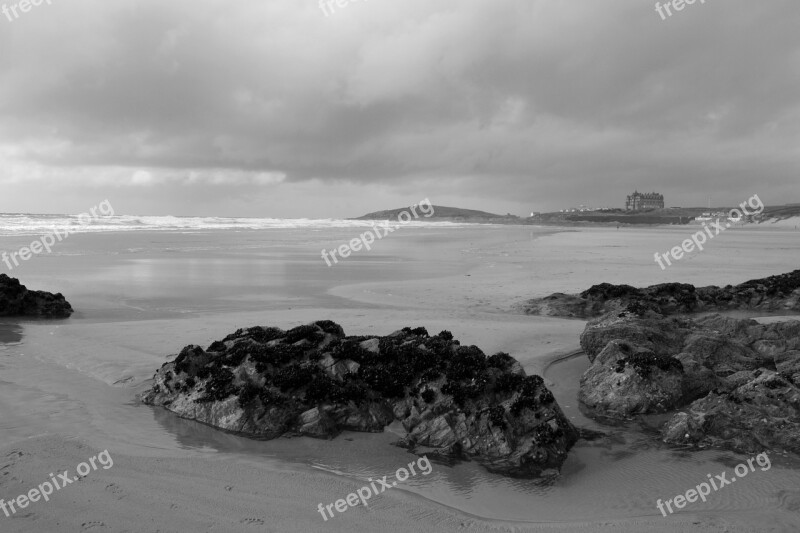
219 387
314 380
532 396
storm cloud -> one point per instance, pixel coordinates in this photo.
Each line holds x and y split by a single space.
272 108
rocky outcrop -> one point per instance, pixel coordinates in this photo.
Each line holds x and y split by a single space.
626 380
313 380
660 335
17 300
735 381
763 413
773 294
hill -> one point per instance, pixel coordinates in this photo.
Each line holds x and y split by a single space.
444 214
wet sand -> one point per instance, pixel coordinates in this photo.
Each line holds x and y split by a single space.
142 297
10 333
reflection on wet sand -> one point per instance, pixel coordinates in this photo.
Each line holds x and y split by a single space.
10 333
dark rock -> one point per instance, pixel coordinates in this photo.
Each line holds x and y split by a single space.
17 300
313 380
773 294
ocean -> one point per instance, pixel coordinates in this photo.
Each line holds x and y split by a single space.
34 224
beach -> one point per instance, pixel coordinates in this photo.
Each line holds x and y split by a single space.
68 388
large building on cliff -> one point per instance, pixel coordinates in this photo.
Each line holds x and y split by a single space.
644 200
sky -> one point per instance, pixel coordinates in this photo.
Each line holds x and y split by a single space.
280 108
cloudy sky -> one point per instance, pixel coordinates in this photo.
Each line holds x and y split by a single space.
271 108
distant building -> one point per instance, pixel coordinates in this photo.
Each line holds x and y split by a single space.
644 200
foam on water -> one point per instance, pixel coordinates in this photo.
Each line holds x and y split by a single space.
32 224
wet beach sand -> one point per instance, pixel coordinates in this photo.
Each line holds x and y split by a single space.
10 333
68 389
